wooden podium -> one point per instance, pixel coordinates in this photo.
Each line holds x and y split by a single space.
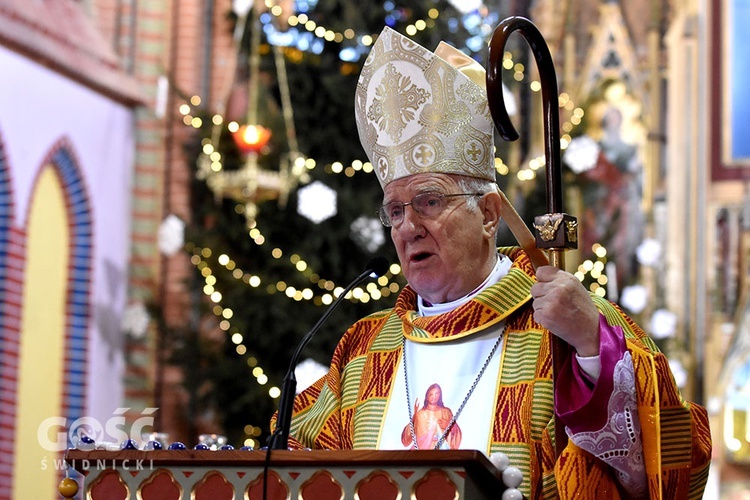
304 475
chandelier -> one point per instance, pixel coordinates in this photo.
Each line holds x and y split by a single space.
250 184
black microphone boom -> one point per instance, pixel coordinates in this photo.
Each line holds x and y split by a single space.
279 440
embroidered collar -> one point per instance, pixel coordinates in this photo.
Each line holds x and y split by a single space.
491 305
498 271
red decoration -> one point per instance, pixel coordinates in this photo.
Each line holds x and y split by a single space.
251 138
160 485
109 485
321 486
213 486
435 485
378 486
276 488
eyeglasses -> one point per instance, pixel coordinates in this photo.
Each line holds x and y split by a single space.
428 205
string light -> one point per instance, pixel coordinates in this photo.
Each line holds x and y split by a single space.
594 271
564 102
305 34
303 166
200 260
301 20
328 290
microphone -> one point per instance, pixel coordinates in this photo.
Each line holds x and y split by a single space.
279 440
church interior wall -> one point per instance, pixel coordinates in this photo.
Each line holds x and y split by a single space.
41 114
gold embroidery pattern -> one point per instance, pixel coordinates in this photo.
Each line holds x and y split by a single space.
417 113
395 104
444 114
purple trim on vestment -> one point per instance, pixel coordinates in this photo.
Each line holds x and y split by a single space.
581 407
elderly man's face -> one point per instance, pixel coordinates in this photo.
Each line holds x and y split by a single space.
443 258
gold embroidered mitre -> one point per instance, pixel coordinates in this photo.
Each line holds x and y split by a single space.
416 112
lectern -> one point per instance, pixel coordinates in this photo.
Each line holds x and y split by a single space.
304 475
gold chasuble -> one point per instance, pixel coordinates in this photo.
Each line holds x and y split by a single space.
346 408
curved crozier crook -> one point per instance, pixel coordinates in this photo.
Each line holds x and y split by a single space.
548 79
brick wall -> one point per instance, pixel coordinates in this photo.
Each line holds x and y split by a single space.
170 43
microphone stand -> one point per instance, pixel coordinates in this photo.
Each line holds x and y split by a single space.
279 440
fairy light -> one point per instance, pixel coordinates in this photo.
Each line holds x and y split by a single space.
337 167
536 163
211 153
595 271
225 313
564 102
300 23
328 288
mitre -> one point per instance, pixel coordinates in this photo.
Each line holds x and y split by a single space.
419 111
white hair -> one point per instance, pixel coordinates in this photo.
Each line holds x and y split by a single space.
475 185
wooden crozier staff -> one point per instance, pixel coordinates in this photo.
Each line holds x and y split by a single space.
556 231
